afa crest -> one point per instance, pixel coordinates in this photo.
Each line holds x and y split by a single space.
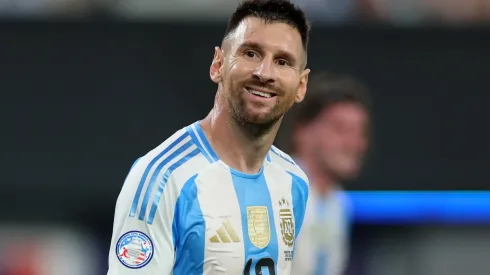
259 230
287 223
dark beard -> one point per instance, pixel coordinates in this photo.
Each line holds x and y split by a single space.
250 128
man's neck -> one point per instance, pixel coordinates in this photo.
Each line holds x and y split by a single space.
319 178
237 145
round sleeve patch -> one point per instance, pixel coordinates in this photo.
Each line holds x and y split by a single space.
134 249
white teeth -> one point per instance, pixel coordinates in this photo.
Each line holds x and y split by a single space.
260 93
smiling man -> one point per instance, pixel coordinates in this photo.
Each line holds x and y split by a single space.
217 197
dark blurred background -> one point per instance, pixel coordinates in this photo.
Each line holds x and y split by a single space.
88 86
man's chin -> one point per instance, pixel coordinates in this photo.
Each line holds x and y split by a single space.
342 171
260 118
348 174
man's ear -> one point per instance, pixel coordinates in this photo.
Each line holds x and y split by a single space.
216 66
303 83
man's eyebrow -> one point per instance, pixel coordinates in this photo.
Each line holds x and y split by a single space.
281 53
250 44
287 55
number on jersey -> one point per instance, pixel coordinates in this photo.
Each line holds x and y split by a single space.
264 262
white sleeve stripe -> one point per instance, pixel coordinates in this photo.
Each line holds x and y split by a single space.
136 199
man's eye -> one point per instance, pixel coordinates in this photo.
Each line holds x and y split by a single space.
250 54
282 62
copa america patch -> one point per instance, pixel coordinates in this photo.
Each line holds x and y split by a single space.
134 249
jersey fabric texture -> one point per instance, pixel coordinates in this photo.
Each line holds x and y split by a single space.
183 211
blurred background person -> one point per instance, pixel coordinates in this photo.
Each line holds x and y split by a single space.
329 140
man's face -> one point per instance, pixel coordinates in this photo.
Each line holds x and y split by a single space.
341 139
262 70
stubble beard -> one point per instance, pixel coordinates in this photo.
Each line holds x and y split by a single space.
254 127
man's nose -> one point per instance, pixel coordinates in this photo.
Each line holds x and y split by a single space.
265 71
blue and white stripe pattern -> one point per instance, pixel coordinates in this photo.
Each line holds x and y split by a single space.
204 217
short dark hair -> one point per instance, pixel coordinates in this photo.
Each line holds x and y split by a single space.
327 89
272 11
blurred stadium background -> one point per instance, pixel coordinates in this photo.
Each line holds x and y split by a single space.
88 86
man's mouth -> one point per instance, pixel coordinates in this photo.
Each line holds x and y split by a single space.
260 93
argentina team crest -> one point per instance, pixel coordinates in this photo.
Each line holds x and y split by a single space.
287 223
134 249
259 231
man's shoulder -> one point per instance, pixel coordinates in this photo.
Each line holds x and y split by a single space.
178 156
286 162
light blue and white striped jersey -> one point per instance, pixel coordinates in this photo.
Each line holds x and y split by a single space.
183 211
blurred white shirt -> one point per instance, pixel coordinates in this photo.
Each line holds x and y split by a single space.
323 245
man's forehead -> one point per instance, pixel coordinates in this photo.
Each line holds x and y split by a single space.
255 30
344 110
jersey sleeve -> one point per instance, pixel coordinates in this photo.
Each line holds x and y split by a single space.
143 240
